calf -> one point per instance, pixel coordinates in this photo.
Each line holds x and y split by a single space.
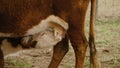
52 30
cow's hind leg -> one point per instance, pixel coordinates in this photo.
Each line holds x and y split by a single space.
59 52
77 34
79 44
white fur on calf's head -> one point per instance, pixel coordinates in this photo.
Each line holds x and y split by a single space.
51 36
44 24
51 31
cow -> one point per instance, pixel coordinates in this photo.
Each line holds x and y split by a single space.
19 17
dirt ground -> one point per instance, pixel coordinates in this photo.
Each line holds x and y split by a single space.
107 42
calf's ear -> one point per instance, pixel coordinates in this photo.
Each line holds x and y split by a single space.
59 34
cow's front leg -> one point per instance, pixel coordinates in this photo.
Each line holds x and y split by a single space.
58 53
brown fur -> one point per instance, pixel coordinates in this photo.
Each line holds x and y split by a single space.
17 16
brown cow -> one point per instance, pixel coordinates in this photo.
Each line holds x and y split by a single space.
18 17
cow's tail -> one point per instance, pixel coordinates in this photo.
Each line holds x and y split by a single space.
94 62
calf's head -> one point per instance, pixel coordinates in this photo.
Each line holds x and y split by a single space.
54 31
